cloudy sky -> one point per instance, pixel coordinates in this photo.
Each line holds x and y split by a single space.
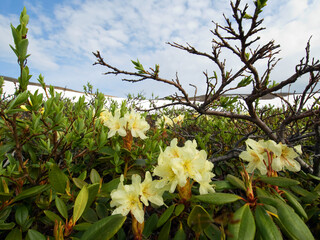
64 33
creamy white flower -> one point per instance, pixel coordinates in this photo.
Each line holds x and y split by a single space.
126 199
129 198
262 147
116 124
105 116
166 170
176 165
179 119
149 192
280 155
206 176
136 124
164 121
255 159
286 159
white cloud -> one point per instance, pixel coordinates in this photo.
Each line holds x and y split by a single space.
62 42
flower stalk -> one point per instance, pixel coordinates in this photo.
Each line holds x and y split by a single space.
137 228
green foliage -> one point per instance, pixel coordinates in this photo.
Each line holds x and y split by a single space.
59 169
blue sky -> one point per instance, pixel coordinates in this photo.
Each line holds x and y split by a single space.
64 33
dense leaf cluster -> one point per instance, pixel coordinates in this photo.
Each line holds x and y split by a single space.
59 168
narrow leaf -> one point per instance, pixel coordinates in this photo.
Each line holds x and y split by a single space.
293 202
243 226
267 228
57 179
80 204
52 216
62 208
105 228
236 182
21 215
15 234
218 198
6 226
165 216
279 181
164 232
94 176
199 219
35 235
150 225
31 192
79 182
293 223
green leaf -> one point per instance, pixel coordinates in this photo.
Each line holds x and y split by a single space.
15 234
247 16
243 226
31 192
164 232
270 201
279 181
105 228
35 235
62 208
94 176
21 215
150 225
223 185
237 182
93 190
4 213
213 232
247 80
109 186
265 225
80 204
20 99
293 202
101 210
138 66
180 234
6 226
79 182
22 48
57 179
198 219
82 226
293 223
52 216
218 198
307 197
179 209
83 175
15 35
5 196
90 216
166 215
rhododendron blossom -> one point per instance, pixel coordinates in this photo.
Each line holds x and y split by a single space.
177 165
268 155
179 119
131 121
129 198
164 121
136 124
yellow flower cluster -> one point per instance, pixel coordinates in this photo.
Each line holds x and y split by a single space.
167 121
129 198
131 121
177 165
266 155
